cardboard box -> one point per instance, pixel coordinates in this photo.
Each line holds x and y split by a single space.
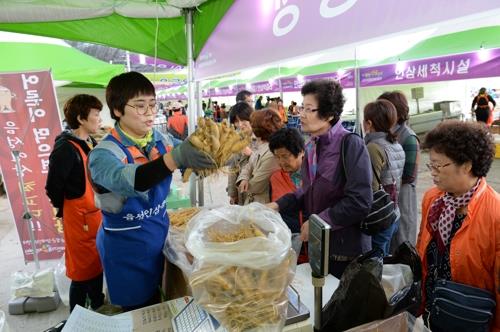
175 284
402 322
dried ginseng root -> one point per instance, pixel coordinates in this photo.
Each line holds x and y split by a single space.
180 218
220 141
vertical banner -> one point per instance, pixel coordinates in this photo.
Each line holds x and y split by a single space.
29 123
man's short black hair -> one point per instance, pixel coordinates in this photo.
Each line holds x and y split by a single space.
288 138
242 95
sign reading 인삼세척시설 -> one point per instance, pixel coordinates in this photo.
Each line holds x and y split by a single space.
485 63
29 123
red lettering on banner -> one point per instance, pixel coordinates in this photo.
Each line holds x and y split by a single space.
29 123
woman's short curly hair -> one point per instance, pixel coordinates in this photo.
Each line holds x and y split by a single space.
329 95
265 122
288 138
463 142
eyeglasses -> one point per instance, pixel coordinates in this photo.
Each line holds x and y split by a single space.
437 168
307 110
142 109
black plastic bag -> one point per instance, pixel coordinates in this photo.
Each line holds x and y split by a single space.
360 297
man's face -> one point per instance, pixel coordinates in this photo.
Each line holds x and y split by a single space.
249 100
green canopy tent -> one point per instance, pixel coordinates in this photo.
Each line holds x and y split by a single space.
66 63
152 28
142 26
157 28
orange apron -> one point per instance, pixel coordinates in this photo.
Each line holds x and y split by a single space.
81 221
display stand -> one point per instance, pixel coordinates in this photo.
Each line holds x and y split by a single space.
26 214
23 305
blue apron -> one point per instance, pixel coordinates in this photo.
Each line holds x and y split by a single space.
130 243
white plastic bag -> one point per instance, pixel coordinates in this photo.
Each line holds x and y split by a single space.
242 281
395 277
4 327
258 252
62 281
27 284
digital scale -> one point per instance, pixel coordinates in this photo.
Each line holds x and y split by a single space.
319 254
297 311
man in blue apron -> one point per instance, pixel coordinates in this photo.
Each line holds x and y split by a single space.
131 171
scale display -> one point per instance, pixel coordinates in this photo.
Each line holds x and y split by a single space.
319 245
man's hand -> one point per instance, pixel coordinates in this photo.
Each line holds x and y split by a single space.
247 151
243 187
304 232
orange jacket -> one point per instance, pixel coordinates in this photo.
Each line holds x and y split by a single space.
475 248
282 184
178 122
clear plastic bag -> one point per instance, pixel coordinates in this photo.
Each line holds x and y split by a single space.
395 277
175 244
4 327
27 284
175 250
62 281
242 265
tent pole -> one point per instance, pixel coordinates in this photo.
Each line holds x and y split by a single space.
192 104
127 55
357 124
199 96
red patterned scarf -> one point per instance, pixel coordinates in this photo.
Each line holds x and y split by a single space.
442 214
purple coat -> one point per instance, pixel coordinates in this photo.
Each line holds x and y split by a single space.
342 198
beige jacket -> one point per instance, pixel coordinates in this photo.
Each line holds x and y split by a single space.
259 169
236 164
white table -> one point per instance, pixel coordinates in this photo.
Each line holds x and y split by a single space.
303 284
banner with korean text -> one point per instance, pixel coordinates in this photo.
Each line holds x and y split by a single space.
483 63
29 123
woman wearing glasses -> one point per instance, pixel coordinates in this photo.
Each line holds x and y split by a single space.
459 237
131 170
340 196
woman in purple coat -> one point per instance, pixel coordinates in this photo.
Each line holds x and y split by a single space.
342 197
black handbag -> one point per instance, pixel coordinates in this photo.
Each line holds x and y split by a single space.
459 307
383 211
360 297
